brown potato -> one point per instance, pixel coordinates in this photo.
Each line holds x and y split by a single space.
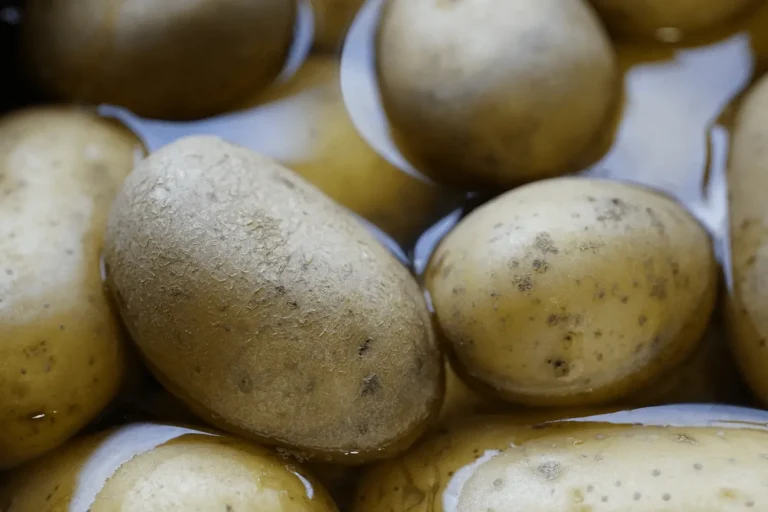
61 355
332 20
573 291
173 60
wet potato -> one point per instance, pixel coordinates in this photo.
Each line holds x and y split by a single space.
573 291
60 342
268 309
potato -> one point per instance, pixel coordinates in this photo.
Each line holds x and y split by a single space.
447 471
267 308
338 161
332 20
655 18
173 60
603 469
146 467
60 344
494 93
748 304
573 291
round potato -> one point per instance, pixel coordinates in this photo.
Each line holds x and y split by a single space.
268 308
338 161
573 291
748 306
447 471
332 20
61 355
171 59
656 18
494 93
146 467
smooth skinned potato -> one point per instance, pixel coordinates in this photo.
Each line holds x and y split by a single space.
747 179
268 308
338 161
648 17
494 93
172 59
578 457
573 291
332 20
61 355
146 467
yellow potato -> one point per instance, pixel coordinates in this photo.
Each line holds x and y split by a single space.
146 467
340 162
167 59
657 18
61 358
332 20
747 179
267 308
573 291
494 93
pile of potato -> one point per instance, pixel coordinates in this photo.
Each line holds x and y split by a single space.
203 327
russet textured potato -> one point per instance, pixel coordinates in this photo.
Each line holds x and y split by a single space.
341 163
145 467
648 17
267 308
494 93
61 354
332 20
170 59
573 291
747 179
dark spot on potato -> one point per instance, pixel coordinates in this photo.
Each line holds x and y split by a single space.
637 496
604 499
524 283
61 327
552 320
656 472
642 319
599 294
599 356
761 343
540 266
197 370
458 290
545 244
624 299
293 304
280 289
659 289
229 508
639 348
561 367
498 225
9 272
364 347
363 428
549 470
591 199
598 333
245 384
685 438
370 385
751 260
698 467
513 264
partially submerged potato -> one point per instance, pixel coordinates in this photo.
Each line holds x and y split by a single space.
170 60
493 93
61 355
332 20
268 308
666 18
573 291
146 467
548 464
341 163
747 182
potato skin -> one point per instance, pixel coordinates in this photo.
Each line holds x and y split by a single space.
60 343
332 20
573 291
268 308
343 165
478 89
172 60
748 300
152 467
644 18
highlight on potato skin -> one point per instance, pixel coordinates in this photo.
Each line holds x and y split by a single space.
62 357
269 309
573 291
492 94
167 59
149 466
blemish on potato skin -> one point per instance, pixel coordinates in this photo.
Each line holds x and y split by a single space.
370 385
545 244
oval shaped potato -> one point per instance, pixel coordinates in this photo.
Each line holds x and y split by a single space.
434 475
338 161
573 291
748 306
494 93
172 60
653 18
60 344
151 467
609 468
268 308
332 20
